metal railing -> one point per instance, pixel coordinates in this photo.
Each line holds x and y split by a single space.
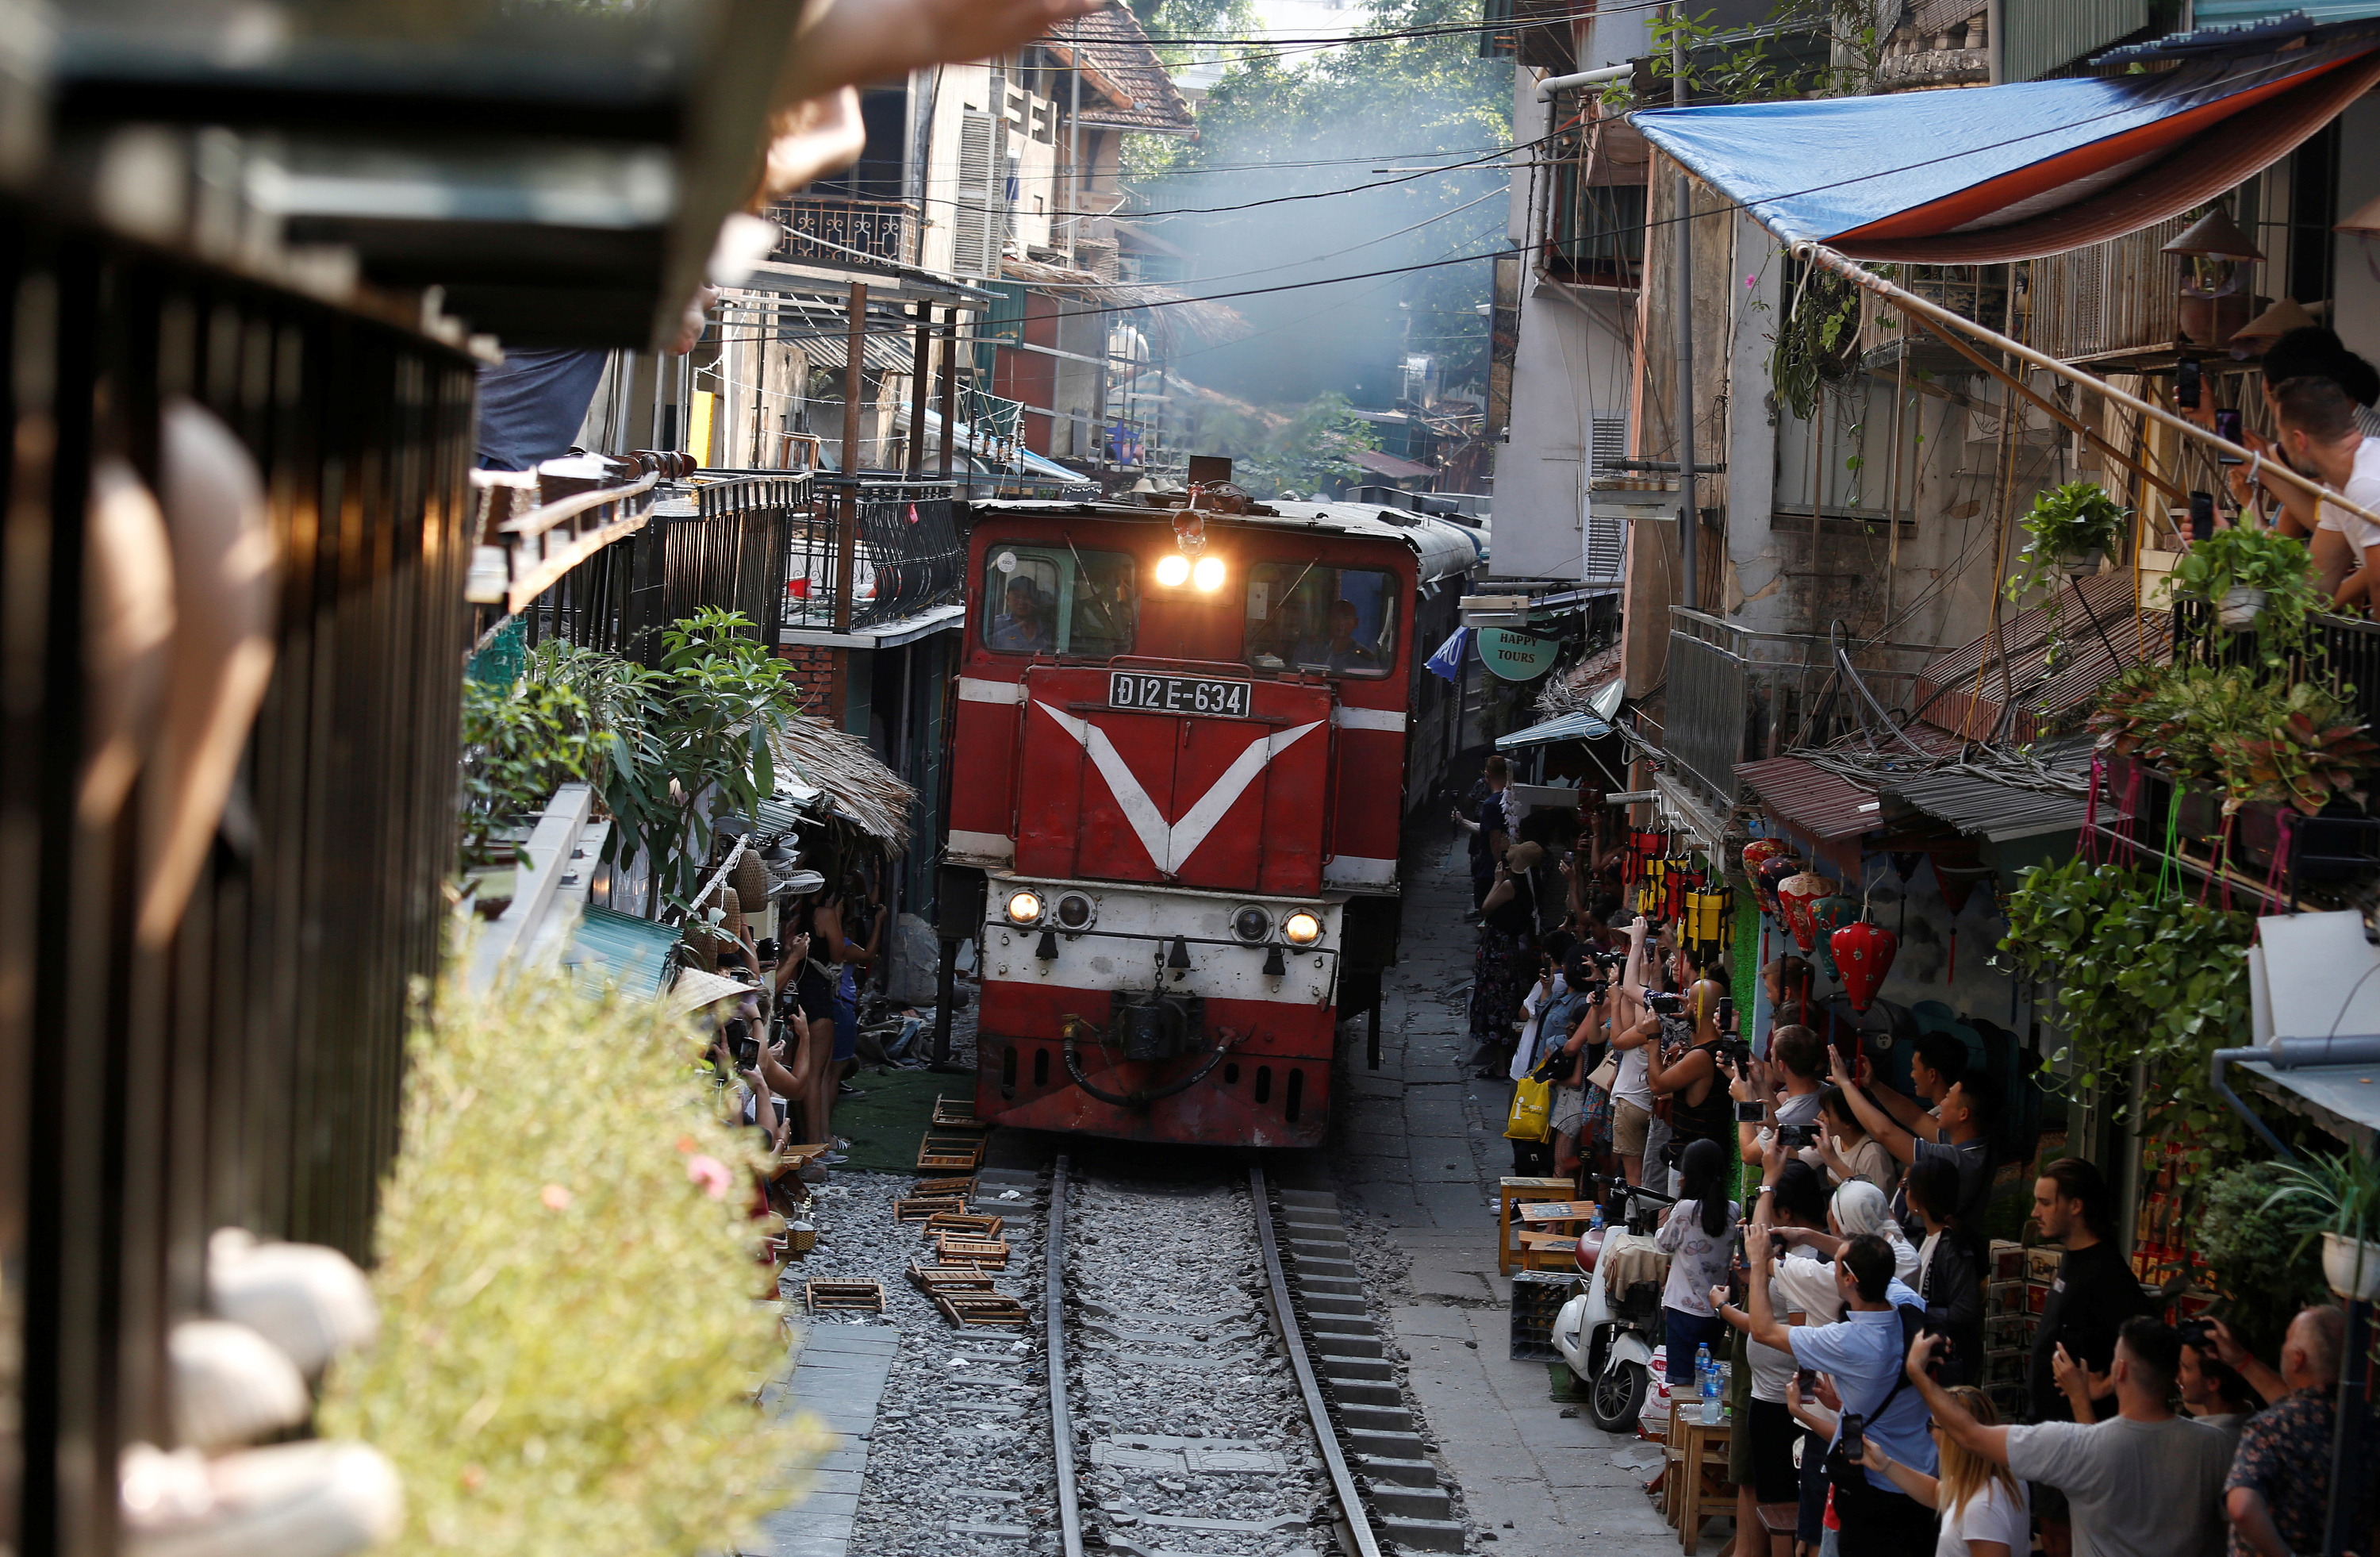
904 555
2342 653
248 1071
1737 695
838 230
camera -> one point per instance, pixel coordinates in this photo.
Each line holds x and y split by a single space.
1793 1137
2197 1332
740 1045
1750 1112
1662 1004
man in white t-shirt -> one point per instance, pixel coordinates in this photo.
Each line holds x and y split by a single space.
2143 1483
2320 436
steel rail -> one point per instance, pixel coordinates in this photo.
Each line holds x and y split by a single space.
1350 1500
1053 1317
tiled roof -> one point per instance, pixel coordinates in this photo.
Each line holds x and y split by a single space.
1114 48
1389 465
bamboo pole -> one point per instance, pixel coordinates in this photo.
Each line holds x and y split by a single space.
1909 303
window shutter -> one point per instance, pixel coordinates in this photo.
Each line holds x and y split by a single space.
975 241
1606 542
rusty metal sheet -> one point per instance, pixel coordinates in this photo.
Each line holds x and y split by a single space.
1812 799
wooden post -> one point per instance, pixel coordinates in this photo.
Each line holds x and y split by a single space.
921 365
950 385
846 551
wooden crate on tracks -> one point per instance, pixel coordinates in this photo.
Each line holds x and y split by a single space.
990 1253
925 1207
956 1154
865 1295
969 1307
963 1225
931 1279
954 1114
962 1188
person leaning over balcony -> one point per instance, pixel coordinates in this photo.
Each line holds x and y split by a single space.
2278 1495
2143 1483
2320 437
2307 352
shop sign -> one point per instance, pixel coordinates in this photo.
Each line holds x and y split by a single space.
1516 656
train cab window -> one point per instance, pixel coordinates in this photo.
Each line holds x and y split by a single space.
1043 600
1324 621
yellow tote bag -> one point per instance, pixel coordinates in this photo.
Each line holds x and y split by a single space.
1533 1107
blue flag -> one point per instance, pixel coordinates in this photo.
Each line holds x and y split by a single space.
1447 661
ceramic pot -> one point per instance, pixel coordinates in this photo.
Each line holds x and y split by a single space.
2352 1269
2240 608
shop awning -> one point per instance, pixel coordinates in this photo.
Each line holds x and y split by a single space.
1993 173
1581 726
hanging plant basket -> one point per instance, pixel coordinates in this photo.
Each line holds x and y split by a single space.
2351 1267
2240 608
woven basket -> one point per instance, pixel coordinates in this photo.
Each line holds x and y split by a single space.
731 914
751 881
702 946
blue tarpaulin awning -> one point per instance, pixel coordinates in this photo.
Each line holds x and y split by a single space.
1992 173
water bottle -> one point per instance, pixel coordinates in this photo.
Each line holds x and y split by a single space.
1708 1379
1595 1218
1726 1392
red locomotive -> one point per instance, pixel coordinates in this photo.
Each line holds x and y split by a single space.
1186 745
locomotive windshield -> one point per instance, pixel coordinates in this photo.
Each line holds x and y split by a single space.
1326 621
1042 600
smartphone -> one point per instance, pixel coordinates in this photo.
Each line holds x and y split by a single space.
1853 1439
2186 383
1750 1112
2201 515
2227 427
1808 1379
1726 1012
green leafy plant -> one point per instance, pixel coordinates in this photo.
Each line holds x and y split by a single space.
518 743
702 748
569 1346
2244 557
2253 737
2139 980
2246 1242
2337 1192
2065 525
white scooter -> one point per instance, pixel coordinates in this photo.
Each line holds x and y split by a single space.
1606 1342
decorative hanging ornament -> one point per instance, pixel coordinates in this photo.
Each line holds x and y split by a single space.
1794 896
1758 853
1863 953
1956 872
1710 914
1827 915
1644 846
1775 871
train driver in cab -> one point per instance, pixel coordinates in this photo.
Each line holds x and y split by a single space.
1344 651
1022 628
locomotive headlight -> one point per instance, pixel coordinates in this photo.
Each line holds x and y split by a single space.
1251 925
1173 570
1208 573
1024 907
1302 929
1075 911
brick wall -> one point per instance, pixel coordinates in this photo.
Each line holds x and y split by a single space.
813 669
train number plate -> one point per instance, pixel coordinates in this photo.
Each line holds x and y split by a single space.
1178 694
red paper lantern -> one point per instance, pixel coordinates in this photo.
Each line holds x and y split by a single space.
1758 853
1795 895
1775 871
1863 953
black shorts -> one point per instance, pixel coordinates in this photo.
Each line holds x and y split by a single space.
1774 1477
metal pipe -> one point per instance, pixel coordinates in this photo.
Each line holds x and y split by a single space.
1689 511
2214 1064
848 542
950 383
921 364
1552 84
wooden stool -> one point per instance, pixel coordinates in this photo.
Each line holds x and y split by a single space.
1779 1521
1510 1192
1673 1459
1702 1487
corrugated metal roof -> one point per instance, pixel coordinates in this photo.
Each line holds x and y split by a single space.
1986 807
1947 693
619 949
1823 804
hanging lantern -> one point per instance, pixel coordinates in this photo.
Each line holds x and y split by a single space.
1827 915
1710 915
1758 853
1681 880
1652 875
1644 846
1775 871
1794 896
1956 872
1863 953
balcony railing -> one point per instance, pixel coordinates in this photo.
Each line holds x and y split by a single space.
837 230
904 556
1737 695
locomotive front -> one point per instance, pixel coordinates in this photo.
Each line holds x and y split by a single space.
1178 763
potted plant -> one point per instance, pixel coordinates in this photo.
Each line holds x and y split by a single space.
2069 529
2244 1246
2343 1191
2249 576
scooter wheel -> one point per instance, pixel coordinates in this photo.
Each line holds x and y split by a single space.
1617 1397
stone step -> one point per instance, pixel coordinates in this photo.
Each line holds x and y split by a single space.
1372 1368
1424 1535
1319 1198
1414 1503
1376 1418
1385 1471
1364 1393
1393 1448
